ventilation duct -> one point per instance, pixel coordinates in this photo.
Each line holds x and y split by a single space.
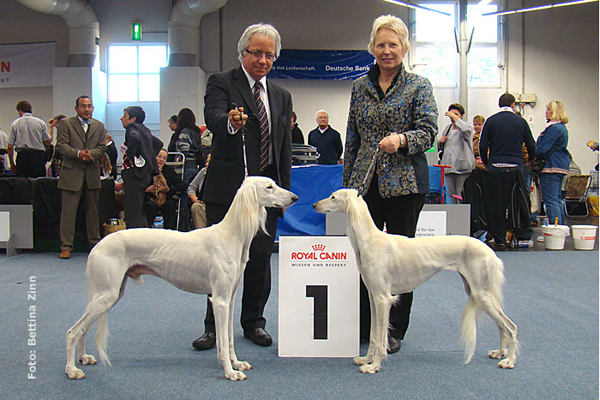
84 28
184 30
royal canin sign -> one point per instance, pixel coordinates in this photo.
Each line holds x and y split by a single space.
318 253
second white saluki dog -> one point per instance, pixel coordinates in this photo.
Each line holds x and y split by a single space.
209 260
396 264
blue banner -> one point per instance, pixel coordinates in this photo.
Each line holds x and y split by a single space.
321 64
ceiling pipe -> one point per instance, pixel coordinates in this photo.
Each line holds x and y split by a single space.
184 30
83 27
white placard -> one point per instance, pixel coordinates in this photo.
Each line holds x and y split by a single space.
318 297
4 226
431 223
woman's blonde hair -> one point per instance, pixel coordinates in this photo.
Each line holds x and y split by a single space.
558 112
393 23
479 118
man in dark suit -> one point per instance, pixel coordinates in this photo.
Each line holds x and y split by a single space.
237 108
139 164
81 140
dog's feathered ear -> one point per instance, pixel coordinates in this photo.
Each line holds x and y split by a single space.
353 207
349 203
261 211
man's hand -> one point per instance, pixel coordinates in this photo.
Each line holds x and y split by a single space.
237 118
85 155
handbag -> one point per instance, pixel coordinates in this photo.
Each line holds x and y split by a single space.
159 198
535 196
537 165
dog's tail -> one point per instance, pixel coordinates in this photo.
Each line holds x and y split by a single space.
102 339
468 328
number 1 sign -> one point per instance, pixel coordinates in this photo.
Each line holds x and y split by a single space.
318 297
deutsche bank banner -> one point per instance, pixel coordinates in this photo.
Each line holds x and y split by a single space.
322 64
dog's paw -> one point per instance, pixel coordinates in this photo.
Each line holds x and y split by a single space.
74 373
369 369
497 354
241 366
87 359
362 360
507 364
236 376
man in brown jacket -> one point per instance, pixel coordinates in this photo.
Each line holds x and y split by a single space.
82 142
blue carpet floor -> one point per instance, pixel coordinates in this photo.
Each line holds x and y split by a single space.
551 296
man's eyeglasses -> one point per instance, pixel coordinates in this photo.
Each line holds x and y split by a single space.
259 54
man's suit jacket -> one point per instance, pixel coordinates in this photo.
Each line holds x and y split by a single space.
141 142
71 138
226 170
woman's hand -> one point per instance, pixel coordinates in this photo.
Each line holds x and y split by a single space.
390 144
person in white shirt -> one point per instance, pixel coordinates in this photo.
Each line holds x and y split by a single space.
28 137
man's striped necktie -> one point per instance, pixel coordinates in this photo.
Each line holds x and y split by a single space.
264 127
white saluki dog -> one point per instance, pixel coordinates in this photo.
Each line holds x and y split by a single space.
397 264
209 260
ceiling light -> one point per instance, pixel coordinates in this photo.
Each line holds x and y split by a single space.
568 3
415 6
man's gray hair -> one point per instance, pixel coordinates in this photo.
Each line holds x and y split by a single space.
321 111
262 29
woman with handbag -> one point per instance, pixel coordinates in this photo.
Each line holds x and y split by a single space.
456 144
164 193
552 147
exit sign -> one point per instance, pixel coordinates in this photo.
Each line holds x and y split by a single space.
136 31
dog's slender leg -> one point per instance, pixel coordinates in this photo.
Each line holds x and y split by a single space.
368 358
236 364
77 334
382 315
221 306
73 336
508 333
82 356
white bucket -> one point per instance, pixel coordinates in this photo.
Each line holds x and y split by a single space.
584 236
554 236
